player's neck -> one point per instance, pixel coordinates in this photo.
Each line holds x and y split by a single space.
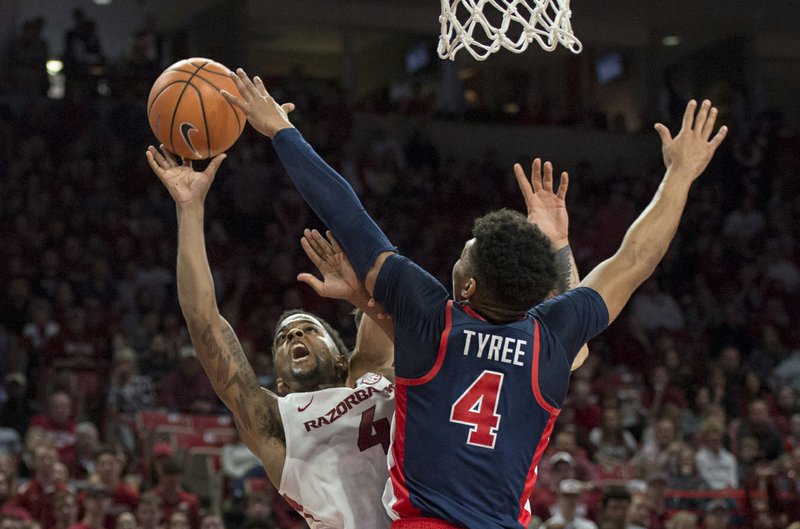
494 313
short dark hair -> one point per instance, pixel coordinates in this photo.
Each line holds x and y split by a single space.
615 493
513 260
337 340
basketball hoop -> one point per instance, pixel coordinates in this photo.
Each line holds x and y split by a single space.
468 24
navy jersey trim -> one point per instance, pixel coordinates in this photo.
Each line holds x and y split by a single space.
427 377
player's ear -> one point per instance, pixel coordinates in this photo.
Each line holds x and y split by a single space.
342 367
469 288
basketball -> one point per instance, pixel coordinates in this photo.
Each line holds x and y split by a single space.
188 114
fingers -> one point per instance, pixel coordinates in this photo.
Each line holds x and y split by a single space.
547 180
312 281
663 132
524 184
563 185
334 243
536 175
708 127
688 115
319 244
260 88
213 166
168 156
717 139
151 160
312 254
250 89
702 116
233 100
288 107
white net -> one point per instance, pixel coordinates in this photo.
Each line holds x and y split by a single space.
482 27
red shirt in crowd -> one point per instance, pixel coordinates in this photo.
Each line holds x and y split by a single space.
38 501
63 436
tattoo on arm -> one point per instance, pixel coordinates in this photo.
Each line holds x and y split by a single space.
247 406
564 262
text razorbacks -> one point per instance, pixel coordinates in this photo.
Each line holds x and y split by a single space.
346 405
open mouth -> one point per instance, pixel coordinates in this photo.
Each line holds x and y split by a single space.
299 352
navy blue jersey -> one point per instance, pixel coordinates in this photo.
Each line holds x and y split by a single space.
475 401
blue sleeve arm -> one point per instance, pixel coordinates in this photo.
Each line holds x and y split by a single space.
333 200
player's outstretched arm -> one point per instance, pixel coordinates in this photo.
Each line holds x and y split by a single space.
648 238
218 349
374 351
547 208
328 194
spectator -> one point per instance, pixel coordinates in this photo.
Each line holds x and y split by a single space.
82 357
177 520
759 425
699 409
130 392
685 475
126 520
188 388
545 494
638 516
656 453
59 425
715 464
97 499
212 521
83 54
239 463
614 508
717 515
29 53
86 443
174 498
65 508
569 494
613 445
259 508
18 410
11 521
36 496
682 520
109 474
148 512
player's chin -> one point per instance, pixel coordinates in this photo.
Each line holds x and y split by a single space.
305 370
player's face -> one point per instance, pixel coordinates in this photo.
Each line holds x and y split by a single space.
462 271
306 356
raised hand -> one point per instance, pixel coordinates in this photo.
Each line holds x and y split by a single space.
339 280
262 111
691 150
546 209
185 185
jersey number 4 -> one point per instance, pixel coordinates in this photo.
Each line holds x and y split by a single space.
477 407
372 432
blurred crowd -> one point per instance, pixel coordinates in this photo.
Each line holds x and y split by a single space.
686 414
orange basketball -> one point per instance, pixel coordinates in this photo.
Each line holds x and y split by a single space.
189 115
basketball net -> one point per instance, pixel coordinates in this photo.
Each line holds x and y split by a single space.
466 24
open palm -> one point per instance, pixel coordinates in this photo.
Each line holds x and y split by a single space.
546 209
184 184
339 280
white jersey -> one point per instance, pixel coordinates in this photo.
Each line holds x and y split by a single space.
336 445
